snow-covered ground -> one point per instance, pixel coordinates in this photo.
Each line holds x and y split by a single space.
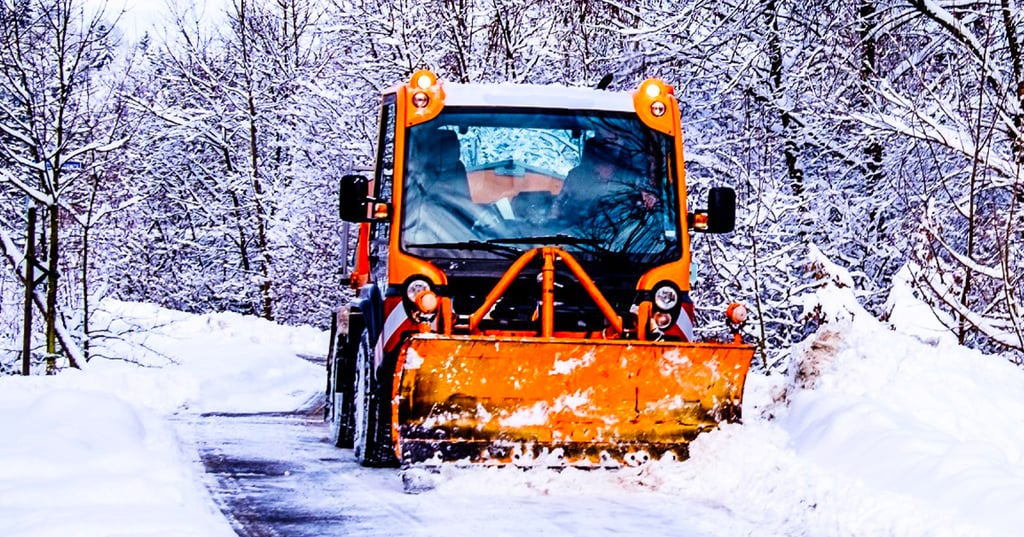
876 431
93 453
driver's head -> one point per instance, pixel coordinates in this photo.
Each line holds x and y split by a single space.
600 155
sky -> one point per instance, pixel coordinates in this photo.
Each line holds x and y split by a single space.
877 428
141 16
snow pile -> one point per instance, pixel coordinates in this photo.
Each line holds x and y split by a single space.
83 463
919 417
224 362
91 453
884 438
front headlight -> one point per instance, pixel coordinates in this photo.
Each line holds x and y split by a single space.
420 294
666 297
662 320
415 287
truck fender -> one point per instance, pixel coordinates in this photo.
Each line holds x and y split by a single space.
371 303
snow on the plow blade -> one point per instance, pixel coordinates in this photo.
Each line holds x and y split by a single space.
541 401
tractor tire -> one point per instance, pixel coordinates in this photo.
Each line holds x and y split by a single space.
373 446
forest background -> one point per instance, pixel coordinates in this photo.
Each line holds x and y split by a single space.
196 166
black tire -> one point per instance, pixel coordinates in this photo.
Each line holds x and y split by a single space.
342 379
372 443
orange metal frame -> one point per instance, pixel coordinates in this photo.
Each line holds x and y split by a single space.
550 254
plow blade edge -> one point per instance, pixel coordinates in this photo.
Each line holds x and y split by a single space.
582 401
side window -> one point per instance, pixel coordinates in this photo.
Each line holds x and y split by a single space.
380 232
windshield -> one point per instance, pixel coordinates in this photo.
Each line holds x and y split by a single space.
485 183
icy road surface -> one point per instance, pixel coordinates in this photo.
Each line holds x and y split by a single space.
277 475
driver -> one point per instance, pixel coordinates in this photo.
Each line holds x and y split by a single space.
602 183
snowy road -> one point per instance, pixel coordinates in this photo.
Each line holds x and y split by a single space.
276 475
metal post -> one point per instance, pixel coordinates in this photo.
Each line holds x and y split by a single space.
30 278
547 301
345 236
51 290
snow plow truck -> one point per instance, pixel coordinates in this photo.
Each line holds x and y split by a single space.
522 277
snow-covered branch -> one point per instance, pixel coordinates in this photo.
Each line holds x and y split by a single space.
9 251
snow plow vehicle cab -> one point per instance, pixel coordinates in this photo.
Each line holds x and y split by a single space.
523 272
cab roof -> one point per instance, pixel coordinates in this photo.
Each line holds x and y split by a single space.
536 96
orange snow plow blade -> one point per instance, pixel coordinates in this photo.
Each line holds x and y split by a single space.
581 402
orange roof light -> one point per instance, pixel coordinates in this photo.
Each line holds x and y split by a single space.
652 88
653 100
423 79
426 97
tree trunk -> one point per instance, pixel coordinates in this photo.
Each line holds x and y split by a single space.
254 163
30 276
872 147
789 126
51 288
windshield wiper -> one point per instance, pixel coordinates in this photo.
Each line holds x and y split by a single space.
475 245
550 240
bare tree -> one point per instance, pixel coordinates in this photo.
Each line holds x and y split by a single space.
242 123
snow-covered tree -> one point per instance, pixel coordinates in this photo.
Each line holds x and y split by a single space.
241 126
57 124
955 101
878 132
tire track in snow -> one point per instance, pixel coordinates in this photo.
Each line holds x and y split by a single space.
275 475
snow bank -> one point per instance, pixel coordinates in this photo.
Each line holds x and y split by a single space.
222 362
940 424
91 453
936 428
83 463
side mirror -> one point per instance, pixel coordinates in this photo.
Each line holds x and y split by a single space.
354 199
721 210
720 216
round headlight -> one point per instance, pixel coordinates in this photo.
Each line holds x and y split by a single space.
415 287
662 320
658 108
666 297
